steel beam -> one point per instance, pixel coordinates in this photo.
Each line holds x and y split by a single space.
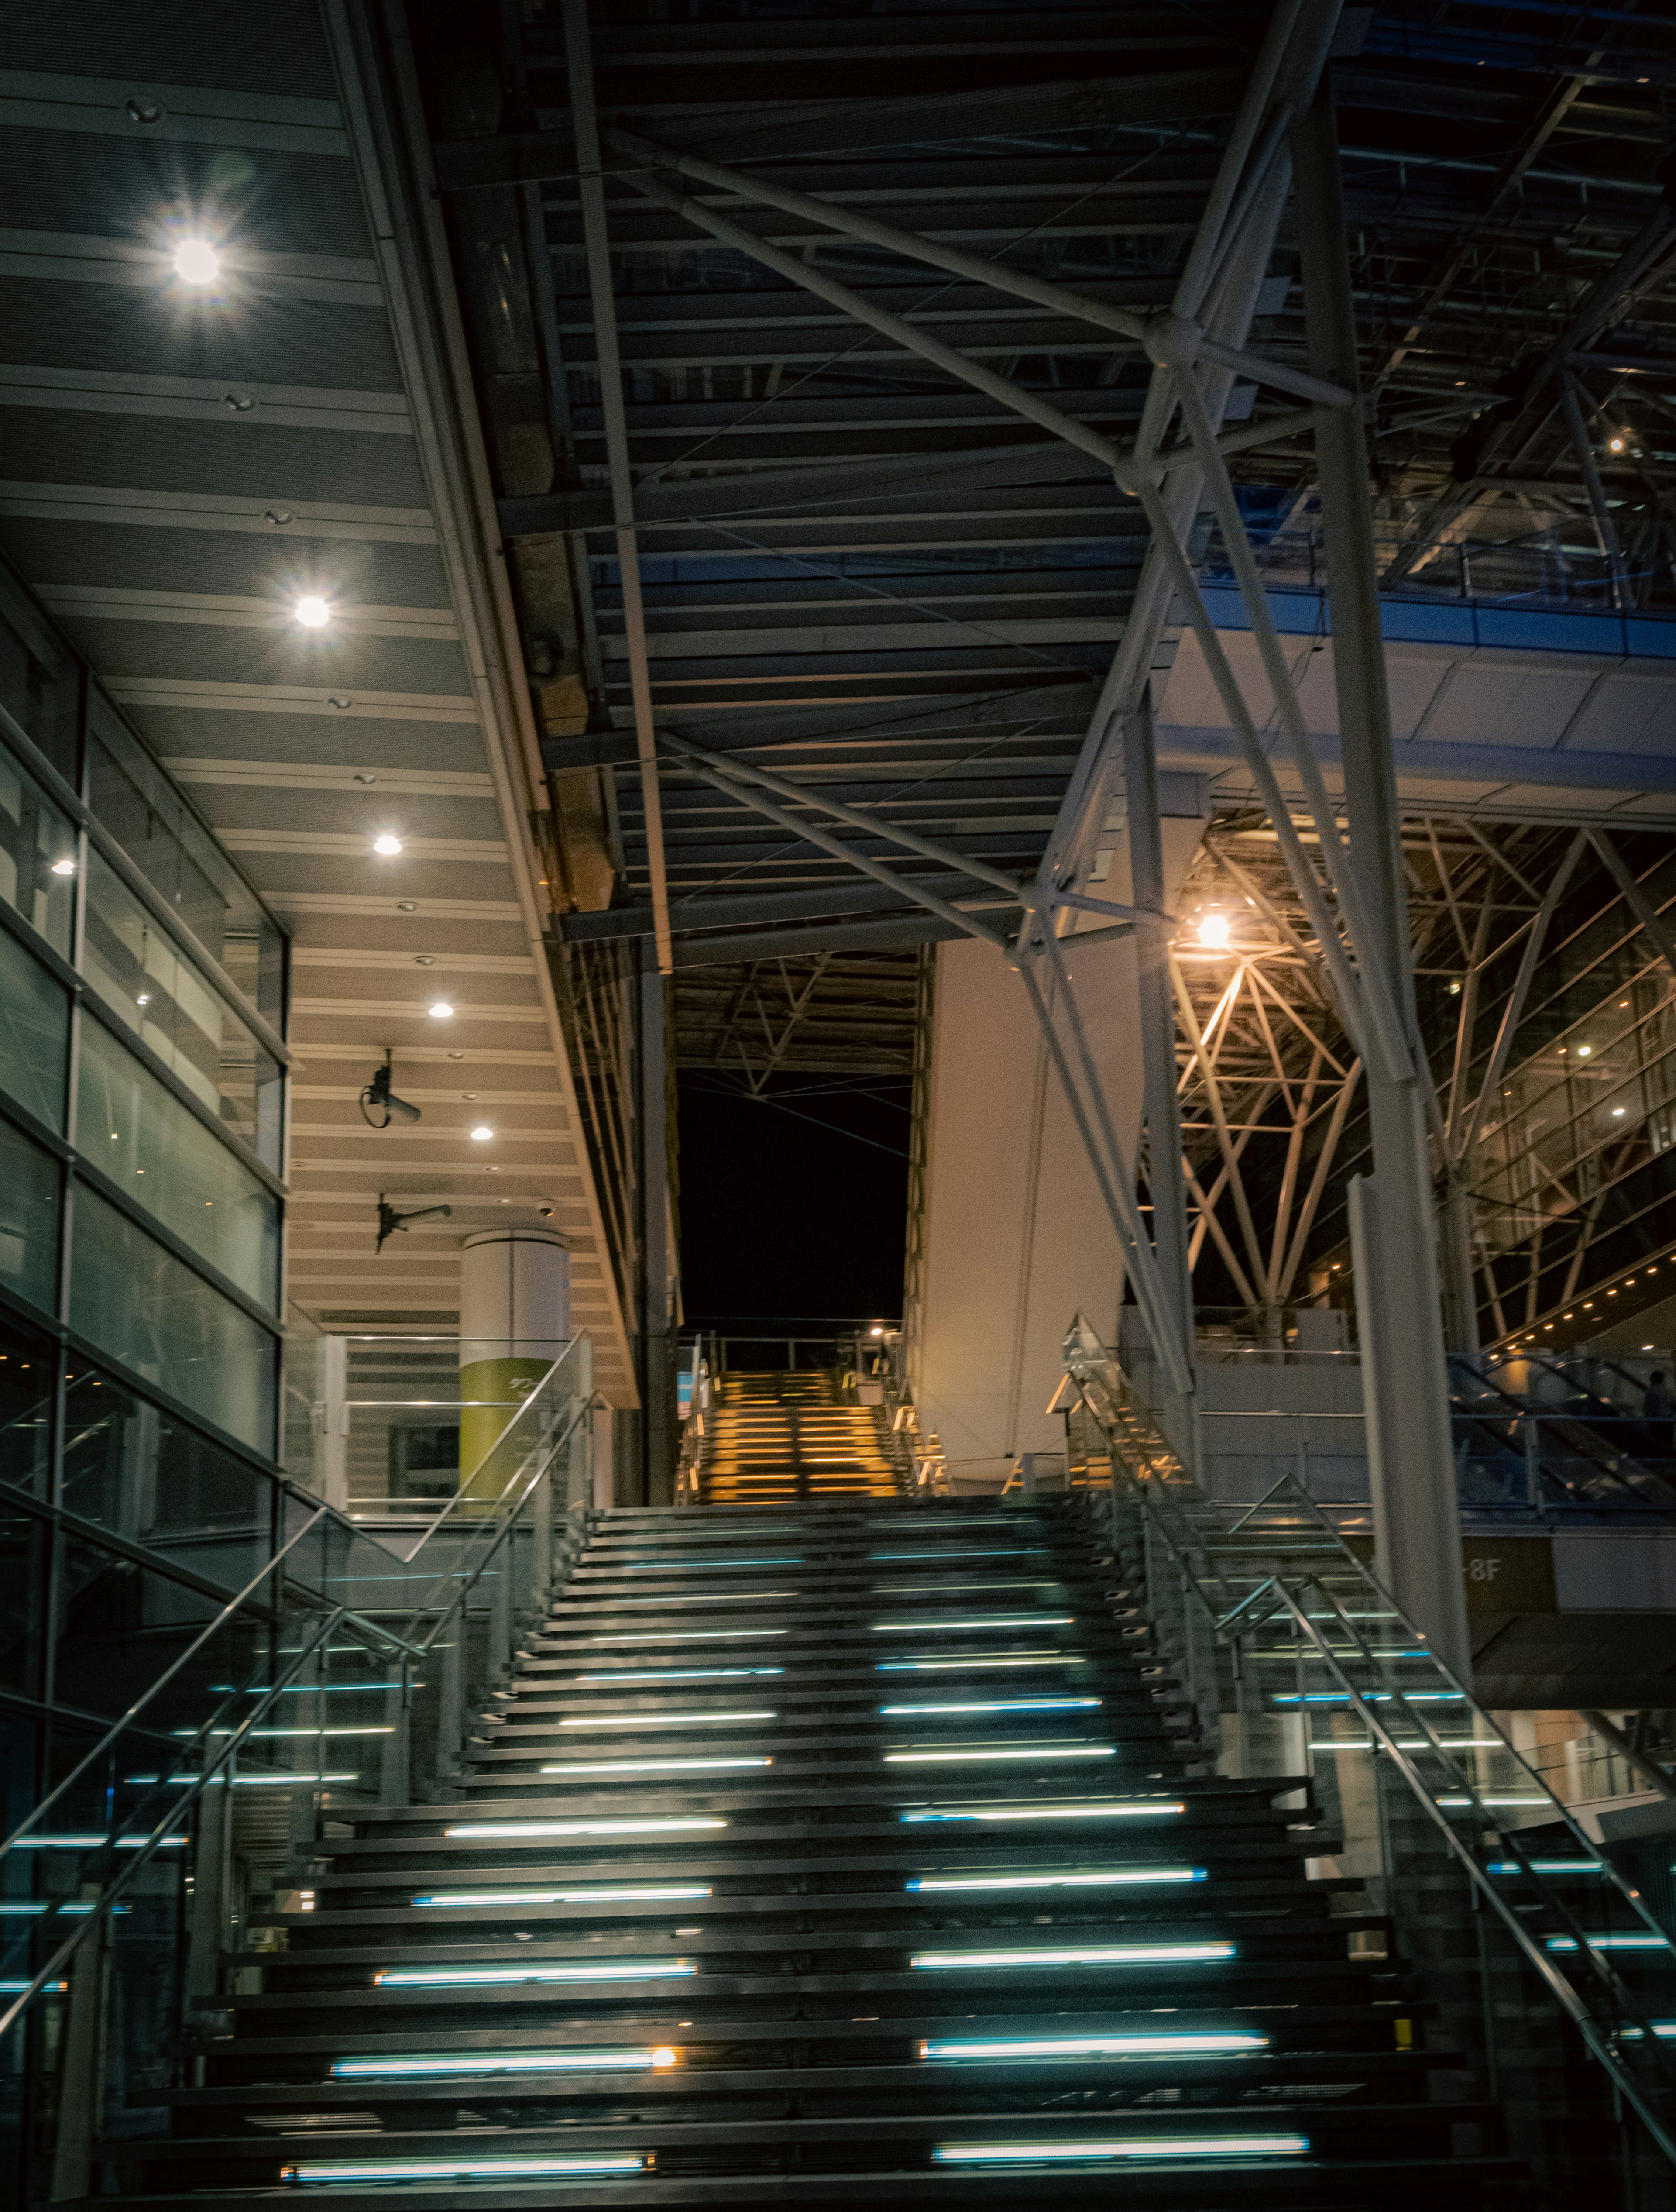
906 887
889 933
1405 1373
758 909
1160 1099
579 58
1058 299
875 825
1636 898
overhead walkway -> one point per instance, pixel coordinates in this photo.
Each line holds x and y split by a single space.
830 1854
793 1436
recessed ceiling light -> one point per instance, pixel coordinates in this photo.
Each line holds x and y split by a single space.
407 906
482 1134
441 1012
1618 1112
196 262
1214 929
424 960
388 845
456 1055
312 611
63 867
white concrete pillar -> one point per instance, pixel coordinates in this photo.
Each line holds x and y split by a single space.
515 1320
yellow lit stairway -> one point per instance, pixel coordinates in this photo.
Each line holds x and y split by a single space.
776 1439
830 1855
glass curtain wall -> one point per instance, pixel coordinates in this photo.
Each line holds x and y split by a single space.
141 1127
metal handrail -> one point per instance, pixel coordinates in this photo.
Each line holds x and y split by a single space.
192 1791
1275 1589
523 1408
1559 1984
234 1606
508 1521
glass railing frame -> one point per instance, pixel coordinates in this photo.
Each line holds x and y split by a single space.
1150 1494
135 1860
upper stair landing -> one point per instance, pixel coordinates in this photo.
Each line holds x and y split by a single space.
792 1436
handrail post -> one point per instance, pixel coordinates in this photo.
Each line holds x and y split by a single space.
451 1700
396 1765
499 1604
82 2068
206 1931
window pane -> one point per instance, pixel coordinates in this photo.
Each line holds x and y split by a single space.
148 984
134 1467
35 840
34 1033
128 1124
121 1626
134 800
29 1220
28 1365
39 681
23 1547
148 1309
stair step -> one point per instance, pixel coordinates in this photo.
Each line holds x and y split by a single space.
769 2036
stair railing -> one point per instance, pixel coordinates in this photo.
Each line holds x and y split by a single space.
126 1892
1293 1660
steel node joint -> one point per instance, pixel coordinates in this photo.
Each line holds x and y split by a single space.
1173 341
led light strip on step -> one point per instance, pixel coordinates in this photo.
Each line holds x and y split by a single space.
491 1897
1548 1866
446 2065
655 1766
650 1721
909 1625
329 2172
1032 1755
671 1674
672 1567
980 1659
998 1705
1128 1809
1105 1955
495 1977
1610 1942
1185 2043
1185 2147
1111 1878
490 1832
693 1635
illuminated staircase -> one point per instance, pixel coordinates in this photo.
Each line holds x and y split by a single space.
792 1437
837 1855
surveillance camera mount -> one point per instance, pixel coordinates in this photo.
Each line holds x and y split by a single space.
378 1098
390 1221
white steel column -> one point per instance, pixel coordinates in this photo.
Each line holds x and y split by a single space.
1160 1094
1416 1522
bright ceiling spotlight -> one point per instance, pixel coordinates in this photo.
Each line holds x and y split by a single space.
63 867
482 1134
387 844
441 1012
1214 929
312 611
1614 445
196 262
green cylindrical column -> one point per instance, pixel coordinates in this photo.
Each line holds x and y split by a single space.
515 1320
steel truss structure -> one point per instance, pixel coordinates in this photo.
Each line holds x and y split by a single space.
1546 994
857 437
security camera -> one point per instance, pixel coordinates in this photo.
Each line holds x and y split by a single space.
380 1105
